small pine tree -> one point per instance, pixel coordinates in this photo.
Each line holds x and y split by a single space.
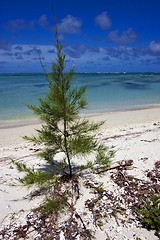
63 130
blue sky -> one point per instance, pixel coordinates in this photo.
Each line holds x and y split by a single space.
97 36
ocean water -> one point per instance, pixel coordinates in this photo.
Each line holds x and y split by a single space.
106 92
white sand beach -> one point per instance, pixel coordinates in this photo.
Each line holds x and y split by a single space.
135 135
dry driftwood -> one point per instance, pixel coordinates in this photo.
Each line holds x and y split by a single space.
127 164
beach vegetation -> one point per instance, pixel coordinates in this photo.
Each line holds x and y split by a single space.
151 211
53 205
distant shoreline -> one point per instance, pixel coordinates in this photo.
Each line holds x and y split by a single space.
6 124
25 73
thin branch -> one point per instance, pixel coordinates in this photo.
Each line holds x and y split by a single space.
42 63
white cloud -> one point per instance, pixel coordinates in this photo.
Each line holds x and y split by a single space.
103 21
127 36
79 55
17 25
4 44
154 48
28 53
42 21
70 24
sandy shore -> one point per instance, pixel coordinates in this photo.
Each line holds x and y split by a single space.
135 135
12 133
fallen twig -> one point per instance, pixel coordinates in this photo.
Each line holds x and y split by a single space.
127 164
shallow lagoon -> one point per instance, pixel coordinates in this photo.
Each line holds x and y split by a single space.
106 92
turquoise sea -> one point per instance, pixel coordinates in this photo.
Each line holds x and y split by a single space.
106 92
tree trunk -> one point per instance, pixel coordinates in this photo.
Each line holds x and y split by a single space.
66 148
